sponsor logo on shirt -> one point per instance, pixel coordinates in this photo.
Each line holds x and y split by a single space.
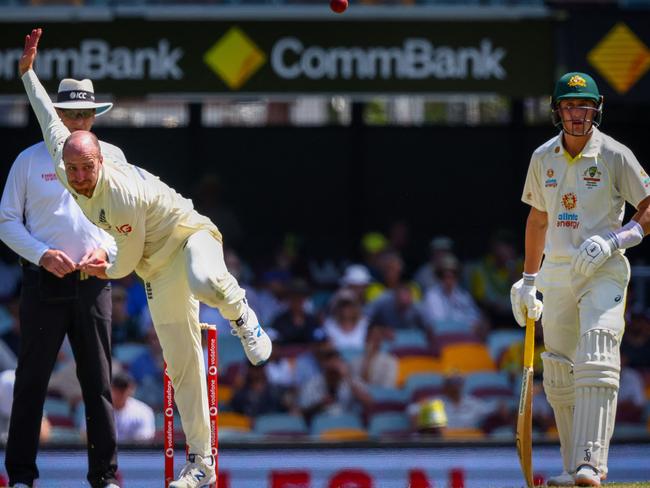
147 287
568 220
646 179
550 182
48 176
102 222
569 200
591 177
124 229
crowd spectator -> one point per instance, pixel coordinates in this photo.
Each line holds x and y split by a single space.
356 278
347 325
491 278
426 276
124 327
256 396
333 389
376 367
134 420
391 268
463 411
447 300
295 325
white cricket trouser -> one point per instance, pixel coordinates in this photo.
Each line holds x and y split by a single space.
583 323
173 296
575 304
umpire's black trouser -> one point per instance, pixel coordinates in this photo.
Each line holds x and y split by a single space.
50 308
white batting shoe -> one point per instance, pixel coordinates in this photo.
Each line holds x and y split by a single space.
256 342
587 475
198 473
564 479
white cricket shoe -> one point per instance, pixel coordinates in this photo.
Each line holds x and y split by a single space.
198 473
564 479
587 475
256 342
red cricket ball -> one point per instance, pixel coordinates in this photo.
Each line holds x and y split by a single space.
338 6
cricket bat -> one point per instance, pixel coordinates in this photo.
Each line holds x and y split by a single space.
525 414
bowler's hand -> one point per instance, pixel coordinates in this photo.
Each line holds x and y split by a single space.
93 257
525 303
29 53
57 262
96 269
592 254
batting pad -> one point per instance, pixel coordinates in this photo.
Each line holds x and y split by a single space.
597 372
560 392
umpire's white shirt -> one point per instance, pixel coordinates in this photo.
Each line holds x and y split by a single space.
585 195
37 213
149 220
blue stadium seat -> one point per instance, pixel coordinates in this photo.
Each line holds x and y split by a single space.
230 352
126 353
423 380
499 340
279 423
487 384
389 423
382 394
409 338
452 327
325 421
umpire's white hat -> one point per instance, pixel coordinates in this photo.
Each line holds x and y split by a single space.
75 94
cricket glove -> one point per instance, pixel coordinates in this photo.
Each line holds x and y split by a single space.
523 297
593 253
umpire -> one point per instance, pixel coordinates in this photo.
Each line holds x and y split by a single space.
41 222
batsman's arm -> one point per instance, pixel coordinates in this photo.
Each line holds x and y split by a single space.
536 226
642 215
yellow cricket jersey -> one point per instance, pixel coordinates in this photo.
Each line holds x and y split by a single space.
149 220
583 196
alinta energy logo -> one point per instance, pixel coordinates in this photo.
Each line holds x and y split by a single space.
621 58
234 58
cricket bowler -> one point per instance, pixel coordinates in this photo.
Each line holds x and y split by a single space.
176 251
577 186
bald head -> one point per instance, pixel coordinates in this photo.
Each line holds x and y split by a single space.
82 159
81 142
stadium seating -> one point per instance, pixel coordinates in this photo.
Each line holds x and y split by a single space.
411 365
488 384
466 358
389 423
326 422
409 338
423 380
499 340
280 424
452 327
344 434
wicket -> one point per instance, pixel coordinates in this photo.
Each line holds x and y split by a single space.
213 401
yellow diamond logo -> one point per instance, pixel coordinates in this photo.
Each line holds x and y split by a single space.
235 58
621 58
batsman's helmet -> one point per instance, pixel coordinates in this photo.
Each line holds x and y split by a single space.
576 85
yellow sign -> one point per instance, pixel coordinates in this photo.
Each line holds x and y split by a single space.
621 58
235 58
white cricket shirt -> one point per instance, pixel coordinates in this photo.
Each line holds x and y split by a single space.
584 196
37 213
147 218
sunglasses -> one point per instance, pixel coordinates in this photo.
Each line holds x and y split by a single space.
78 113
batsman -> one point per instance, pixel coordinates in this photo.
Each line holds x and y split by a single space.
577 185
177 251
